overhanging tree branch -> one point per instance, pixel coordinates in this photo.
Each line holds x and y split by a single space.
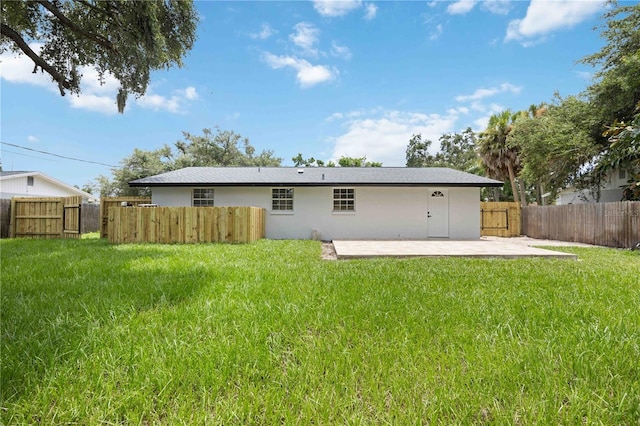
63 83
73 26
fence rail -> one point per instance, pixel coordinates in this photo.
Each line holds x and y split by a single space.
499 219
185 224
605 224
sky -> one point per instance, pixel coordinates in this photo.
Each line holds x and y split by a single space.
325 79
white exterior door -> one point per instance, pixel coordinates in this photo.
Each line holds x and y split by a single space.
438 213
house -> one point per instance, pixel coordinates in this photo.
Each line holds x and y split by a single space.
36 184
611 190
335 203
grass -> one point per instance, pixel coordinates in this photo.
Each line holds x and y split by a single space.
268 333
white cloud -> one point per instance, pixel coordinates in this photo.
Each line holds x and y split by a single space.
189 93
305 37
32 139
384 137
174 104
16 68
96 103
340 51
307 74
461 7
484 93
497 7
436 33
98 93
265 32
370 11
543 17
585 75
335 8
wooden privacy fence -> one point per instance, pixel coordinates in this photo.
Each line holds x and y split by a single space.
605 224
500 219
185 224
46 217
106 202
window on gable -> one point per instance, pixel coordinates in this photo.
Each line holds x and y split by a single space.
344 200
282 199
203 197
29 180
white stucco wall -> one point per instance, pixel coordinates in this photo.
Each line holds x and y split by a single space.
380 212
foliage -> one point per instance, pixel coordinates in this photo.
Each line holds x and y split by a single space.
125 39
554 146
357 162
617 88
457 151
221 148
500 159
268 333
299 160
623 153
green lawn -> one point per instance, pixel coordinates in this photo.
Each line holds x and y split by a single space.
268 333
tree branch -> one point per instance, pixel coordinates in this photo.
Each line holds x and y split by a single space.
73 26
63 83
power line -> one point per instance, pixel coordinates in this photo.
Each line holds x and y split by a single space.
56 155
27 155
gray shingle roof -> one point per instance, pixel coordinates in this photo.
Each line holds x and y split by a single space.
315 176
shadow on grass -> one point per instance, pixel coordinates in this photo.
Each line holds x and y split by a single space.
57 292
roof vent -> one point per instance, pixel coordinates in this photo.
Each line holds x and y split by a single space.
300 171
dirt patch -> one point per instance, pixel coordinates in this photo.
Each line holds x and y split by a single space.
328 251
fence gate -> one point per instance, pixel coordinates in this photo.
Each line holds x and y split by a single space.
500 219
72 217
45 217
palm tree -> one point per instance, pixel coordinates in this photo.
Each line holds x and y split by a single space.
499 160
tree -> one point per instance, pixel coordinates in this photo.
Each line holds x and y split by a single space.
127 39
498 158
357 162
300 161
623 153
222 148
616 91
417 153
554 144
457 151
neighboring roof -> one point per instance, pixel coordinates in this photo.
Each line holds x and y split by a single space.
316 176
12 175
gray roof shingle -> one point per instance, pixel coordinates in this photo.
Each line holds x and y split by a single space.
316 176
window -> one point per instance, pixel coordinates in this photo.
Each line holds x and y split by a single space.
622 174
202 197
282 199
29 180
344 200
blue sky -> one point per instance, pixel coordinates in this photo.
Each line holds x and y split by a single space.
325 79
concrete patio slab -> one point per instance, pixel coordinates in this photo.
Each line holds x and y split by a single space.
353 249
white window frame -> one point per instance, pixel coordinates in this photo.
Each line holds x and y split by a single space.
287 200
344 202
199 201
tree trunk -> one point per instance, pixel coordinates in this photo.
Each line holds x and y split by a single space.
512 178
523 193
539 195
